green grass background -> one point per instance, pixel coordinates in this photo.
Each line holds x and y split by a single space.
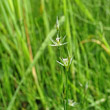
89 75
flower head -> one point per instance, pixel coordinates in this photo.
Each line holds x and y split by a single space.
58 41
65 62
57 24
71 103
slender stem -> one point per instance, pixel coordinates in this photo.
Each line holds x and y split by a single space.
66 90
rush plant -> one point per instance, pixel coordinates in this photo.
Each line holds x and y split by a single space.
65 62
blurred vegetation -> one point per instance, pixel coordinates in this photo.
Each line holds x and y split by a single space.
30 77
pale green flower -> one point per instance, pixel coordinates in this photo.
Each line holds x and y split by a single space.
58 41
71 103
65 62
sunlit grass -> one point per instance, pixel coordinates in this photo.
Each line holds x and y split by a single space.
29 39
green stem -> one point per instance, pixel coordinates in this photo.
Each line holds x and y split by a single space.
66 89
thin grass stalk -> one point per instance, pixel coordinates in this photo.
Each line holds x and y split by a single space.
66 87
31 59
29 47
38 54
